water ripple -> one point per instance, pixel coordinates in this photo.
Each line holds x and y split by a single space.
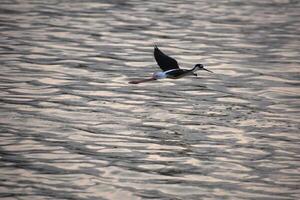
72 128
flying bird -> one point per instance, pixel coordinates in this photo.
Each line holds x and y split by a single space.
170 68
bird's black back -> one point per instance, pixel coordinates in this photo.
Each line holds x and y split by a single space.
164 62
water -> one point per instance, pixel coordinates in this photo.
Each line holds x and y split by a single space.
73 128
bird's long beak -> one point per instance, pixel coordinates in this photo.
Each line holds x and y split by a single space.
207 70
142 80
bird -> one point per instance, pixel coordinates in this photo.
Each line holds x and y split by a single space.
170 68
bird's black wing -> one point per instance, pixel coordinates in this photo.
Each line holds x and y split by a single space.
164 62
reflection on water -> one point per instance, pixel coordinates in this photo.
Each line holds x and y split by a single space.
72 128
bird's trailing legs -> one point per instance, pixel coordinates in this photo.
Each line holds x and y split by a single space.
142 80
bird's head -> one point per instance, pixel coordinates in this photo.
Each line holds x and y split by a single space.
200 67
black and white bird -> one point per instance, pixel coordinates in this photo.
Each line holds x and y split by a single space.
170 68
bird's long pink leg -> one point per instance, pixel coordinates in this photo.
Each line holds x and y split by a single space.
142 80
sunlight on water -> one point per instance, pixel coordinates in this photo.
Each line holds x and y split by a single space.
73 128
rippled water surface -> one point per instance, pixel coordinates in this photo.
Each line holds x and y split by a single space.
73 128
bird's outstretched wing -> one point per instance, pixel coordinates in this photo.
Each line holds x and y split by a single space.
164 62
